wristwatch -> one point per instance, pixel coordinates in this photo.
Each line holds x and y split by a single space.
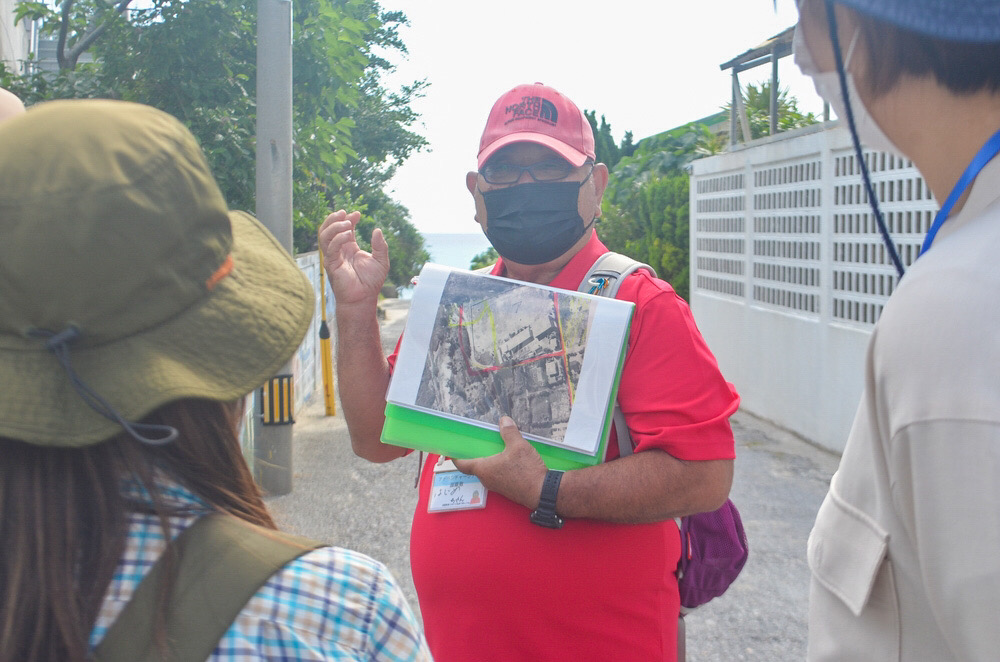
545 514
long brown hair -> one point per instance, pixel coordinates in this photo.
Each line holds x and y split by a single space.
63 526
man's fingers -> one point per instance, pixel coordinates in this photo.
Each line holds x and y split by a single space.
335 217
337 232
517 472
333 225
337 222
335 243
509 431
511 438
380 249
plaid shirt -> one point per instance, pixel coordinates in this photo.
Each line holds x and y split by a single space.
329 604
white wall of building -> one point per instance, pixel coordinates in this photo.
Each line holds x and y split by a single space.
789 274
15 41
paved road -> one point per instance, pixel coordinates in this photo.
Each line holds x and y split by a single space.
780 482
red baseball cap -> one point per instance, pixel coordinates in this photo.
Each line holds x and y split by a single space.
538 114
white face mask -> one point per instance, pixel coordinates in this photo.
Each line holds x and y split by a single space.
827 85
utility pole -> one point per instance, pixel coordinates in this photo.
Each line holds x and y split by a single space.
773 101
273 442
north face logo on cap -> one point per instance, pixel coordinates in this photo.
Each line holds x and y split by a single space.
532 108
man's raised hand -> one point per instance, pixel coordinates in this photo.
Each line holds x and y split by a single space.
356 276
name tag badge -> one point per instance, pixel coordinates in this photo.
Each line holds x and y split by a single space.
453 490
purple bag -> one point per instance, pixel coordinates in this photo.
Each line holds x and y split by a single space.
714 550
714 545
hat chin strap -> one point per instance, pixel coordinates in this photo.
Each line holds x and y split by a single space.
58 344
890 245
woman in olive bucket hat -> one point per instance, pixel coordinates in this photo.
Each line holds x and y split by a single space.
905 552
136 311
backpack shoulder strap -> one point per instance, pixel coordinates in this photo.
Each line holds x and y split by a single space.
222 561
603 279
624 437
608 273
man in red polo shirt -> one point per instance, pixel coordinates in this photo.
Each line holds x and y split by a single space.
593 577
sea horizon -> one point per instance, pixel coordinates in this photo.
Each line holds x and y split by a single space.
454 249
451 249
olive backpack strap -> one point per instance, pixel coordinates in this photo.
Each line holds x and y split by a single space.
222 562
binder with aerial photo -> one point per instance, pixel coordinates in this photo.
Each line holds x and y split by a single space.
477 347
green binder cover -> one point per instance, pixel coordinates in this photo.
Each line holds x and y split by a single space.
477 347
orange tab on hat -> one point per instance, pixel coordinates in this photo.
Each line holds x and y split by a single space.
220 273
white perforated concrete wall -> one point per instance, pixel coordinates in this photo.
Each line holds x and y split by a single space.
789 273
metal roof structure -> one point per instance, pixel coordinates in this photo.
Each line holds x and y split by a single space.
769 52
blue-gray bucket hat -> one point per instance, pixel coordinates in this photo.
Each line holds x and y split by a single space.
954 20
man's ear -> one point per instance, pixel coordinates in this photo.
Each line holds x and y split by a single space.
600 176
471 181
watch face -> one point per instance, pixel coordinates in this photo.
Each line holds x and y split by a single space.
548 520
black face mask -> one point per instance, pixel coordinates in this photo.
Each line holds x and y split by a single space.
534 223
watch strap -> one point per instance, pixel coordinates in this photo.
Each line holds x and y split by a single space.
545 514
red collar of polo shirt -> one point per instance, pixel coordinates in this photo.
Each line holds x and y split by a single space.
570 276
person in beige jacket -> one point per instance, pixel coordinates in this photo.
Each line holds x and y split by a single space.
905 552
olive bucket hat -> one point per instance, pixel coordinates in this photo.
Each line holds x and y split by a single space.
125 282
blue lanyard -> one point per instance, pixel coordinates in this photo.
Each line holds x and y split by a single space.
979 161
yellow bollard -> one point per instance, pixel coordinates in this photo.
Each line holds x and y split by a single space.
326 355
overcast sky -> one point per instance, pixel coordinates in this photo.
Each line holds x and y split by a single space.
646 65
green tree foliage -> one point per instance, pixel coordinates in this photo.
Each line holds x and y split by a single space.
605 148
709 142
758 104
77 24
645 210
607 151
652 227
484 259
656 156
197 61
645 207
627 147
